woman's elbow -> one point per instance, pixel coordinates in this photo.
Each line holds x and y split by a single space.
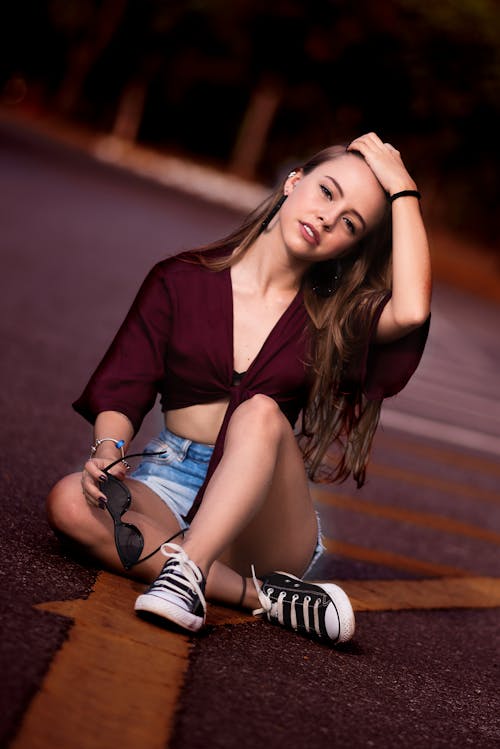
413 317
413 311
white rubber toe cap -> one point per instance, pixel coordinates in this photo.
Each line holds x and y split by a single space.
339 616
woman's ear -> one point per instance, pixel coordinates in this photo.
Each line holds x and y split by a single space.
293 179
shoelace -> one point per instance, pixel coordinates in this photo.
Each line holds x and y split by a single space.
184 579
274 610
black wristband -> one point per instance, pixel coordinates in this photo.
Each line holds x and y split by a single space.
404 194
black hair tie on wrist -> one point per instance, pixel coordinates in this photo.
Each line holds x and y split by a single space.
403 194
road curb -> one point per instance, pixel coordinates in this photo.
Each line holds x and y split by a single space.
456 261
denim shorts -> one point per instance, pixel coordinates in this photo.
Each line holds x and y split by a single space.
177 476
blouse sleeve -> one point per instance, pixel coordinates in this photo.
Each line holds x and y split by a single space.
387 367
129 376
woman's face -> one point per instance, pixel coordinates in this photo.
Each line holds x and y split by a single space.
330 209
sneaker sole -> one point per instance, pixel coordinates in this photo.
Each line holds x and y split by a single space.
167 610
345 613
342 605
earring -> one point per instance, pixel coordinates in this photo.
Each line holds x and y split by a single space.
325 279
272 214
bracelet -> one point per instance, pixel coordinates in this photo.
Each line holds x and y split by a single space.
243 592
404 194
118 444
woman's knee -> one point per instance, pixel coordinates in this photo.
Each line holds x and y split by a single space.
65 504
262 412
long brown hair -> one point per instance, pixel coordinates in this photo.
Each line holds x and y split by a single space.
337 411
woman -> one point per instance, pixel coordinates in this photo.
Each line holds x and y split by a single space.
291 313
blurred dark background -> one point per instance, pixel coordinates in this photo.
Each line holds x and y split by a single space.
250 85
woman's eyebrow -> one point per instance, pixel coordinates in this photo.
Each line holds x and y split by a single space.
337 186
341 193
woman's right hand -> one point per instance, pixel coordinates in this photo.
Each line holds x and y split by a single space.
92 473
385 162
107 423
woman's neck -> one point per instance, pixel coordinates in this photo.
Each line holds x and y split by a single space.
268 266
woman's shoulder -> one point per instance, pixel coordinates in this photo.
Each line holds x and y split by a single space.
183 275
188 262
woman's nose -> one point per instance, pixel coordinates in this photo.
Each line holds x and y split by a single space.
329 220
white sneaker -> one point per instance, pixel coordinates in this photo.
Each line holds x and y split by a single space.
320 610
177 594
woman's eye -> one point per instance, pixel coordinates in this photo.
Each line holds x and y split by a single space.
350 226
326 192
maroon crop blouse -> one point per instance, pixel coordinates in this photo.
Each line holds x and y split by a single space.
177 341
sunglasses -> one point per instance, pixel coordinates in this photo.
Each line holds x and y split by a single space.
129 540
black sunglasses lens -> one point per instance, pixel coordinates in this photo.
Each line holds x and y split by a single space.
129 543
117 495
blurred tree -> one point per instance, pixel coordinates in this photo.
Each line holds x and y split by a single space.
89 26
249 84
453 57
150 26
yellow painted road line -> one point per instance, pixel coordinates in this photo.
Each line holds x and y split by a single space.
440 455
443 431
437 484
389 559
420 479
324 496
444 593
117 679
114 683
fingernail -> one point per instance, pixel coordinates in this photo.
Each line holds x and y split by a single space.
102 504
103 477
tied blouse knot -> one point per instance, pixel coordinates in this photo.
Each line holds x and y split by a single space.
177 341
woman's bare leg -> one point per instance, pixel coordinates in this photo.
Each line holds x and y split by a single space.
257 510
257 507
92 531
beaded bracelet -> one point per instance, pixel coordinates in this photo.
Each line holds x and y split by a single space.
118 444
404 194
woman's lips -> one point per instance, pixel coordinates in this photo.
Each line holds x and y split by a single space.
309 233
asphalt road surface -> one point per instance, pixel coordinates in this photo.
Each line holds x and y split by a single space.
416 548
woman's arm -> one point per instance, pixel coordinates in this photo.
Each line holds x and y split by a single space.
409 305
108 424
132 372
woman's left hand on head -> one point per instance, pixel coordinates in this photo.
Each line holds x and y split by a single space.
385 162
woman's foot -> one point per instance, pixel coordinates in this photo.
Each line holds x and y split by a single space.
178 593
321 610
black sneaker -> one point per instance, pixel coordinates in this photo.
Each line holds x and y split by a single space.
177 594
321 610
